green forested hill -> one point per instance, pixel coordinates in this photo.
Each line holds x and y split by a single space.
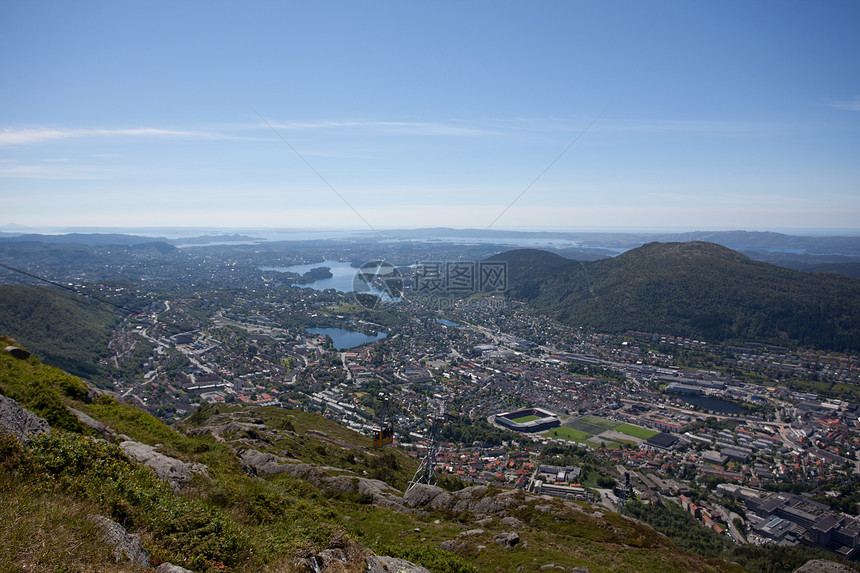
693 289
67 333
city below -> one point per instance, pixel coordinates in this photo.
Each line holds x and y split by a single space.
759 442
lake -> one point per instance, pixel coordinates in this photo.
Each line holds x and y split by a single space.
344 339
713 404
341 279
446 322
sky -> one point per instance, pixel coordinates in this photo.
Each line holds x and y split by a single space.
372 115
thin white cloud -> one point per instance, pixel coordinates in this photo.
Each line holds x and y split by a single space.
35 135
848 105
25 136
56 172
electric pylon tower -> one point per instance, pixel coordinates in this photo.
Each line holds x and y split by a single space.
426 472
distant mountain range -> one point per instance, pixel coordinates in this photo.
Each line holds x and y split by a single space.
694 289
832 254
88 239
738 240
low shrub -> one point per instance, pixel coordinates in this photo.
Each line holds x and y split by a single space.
434 559
184 531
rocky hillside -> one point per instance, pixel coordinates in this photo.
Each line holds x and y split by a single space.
91 484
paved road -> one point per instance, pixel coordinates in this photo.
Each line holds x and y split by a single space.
736 535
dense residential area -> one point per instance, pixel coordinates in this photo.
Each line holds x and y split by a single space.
620 397
755 441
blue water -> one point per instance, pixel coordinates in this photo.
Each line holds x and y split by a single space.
446 322
345 339
341 279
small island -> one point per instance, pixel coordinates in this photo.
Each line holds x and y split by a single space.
314 275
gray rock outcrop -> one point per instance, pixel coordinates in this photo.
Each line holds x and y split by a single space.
171 568
175 473
255 462
394 565
344 554
18 352
473 499
452 545
511 521
92 423
20 422
823 566
126 546
507 539
378 492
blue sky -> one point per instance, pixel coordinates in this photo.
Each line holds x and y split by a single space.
648 115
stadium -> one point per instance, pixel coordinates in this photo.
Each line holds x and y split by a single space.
528 420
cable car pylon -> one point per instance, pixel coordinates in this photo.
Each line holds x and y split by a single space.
426 472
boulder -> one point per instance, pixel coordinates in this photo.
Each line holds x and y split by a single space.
176 473
507 540
472 499
18 352
126 546
20 422
259 463
442 500
492 504
92 423
421 494
394 565
345 554
513 522
472 492
374 565
380 493
171 568
452 545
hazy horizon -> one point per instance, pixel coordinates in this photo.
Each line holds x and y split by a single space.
177 232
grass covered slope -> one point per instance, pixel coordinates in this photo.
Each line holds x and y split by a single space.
227 520
65 332
692 289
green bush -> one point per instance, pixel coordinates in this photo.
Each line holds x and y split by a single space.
434 559
184 531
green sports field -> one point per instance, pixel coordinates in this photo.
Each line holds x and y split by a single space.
525 419
603 423
635 431
582 425
585 427
568 434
